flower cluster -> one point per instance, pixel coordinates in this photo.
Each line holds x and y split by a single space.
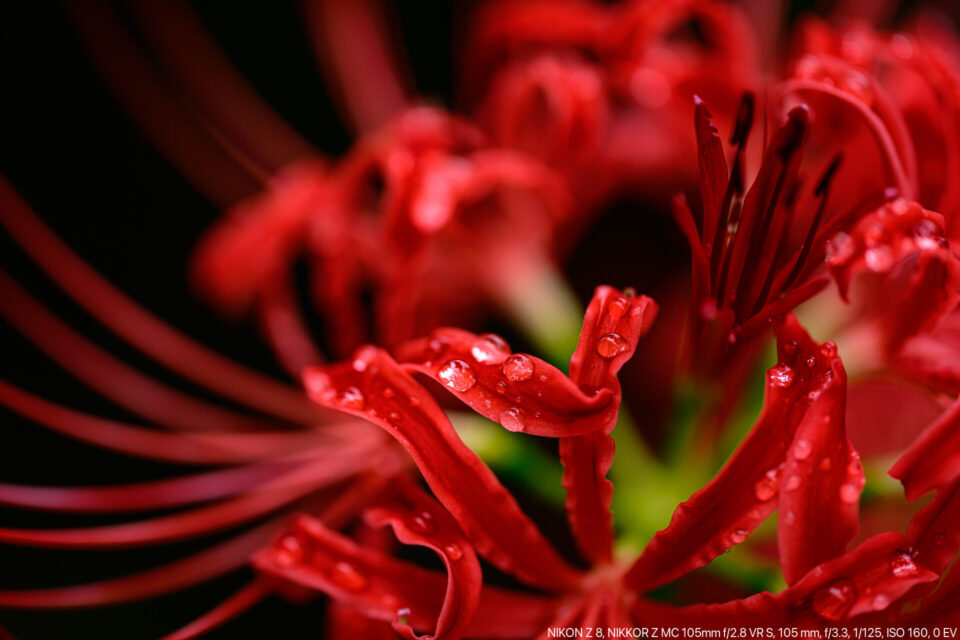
815 347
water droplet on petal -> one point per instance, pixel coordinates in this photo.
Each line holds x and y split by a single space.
902 564
825 464
402 615
790 348
878 258
835 600
802 449
490 348
840 249
738 535
457 375
767 487
289 550
793 482
880 602
781 376
501 387
422 524
927 235
388 393
512 420
351 398
346 576
619 306
789 518
850 493
453 551
518 368
611 345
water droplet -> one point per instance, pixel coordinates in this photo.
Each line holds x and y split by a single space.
767 487
318 383
878 258
789 518
927 235
738 535
351 398
388 393
810 362
793 482
802 449
708 310
850 493
610 345
828 349
835 600
501 387
902 564
619 306
346 576
840 249
512 420
880 602
289 550
781 376
402 615
453 551
825 464
790 348
490 348
457 375
518 368
422 524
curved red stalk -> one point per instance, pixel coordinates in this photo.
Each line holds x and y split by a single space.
139 327
206 76
200 567
184 448
263 498
110 377
281 319
374 387
144 496
214 171
241 601
351 41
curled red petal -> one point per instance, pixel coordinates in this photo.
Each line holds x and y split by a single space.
521 392
933 460
871 578
613 324
821 481
418 519
745 491
906 242
383 588
374 387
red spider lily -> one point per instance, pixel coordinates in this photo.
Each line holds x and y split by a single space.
421 211
575 83
906 85
796 458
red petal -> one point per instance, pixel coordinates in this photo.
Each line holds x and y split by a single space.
935 530
822 480
933 460
905 241
611 328
868 579
713 171
744 492
521 392
344 623
416 518
383 588
375 388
